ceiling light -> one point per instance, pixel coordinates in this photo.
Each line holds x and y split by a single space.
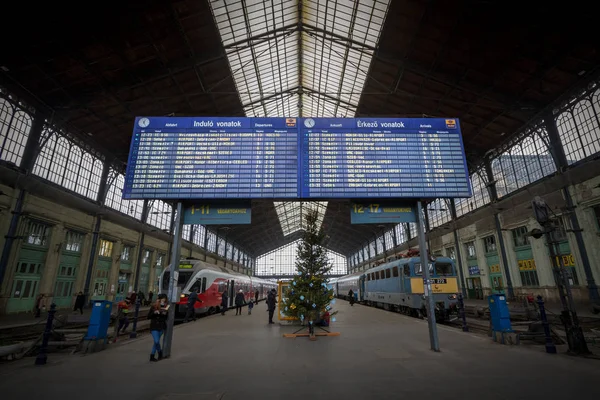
582 72
90 134
503 133
3 68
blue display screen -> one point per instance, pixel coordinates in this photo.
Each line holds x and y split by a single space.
289 158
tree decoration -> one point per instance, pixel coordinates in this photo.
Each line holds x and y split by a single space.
309 293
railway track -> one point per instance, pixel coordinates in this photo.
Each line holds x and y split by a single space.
30 334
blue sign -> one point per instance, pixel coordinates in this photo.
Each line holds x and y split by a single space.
382 158
291 158
209 213
474 270
382 213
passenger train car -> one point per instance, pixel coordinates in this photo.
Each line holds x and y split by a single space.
343 285
211 281
398 285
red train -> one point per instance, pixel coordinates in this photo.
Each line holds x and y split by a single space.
211 281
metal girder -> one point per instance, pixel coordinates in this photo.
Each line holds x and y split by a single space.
330 97
263 37
271 96
337 38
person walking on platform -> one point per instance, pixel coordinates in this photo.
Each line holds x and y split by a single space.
191 302
79 302
250 307
271 301
122 312
157 315
239 302
351 295
256 297
39 305
224 300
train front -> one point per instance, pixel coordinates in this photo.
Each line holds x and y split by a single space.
186 272
443 286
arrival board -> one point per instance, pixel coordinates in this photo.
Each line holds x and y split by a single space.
290 158
383 158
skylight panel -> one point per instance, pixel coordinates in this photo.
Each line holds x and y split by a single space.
291 214
338 68
261 39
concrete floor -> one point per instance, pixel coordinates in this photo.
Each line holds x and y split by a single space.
379 355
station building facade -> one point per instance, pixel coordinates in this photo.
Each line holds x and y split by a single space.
64 227
555 157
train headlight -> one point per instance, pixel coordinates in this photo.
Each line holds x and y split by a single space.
452 296
182 296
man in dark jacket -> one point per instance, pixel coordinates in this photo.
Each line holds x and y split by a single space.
271 302
224 299
239 302
191 302
79 302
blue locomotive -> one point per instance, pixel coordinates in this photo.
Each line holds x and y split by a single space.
398 286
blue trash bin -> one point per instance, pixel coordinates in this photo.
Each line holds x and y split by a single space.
499 313
99 321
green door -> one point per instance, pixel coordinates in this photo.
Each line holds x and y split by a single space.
28 273
103 266
70 259
144 276
100 287
496 281
145 272
67 272
123 286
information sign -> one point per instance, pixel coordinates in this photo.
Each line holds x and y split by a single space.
210 213
381 213
296 158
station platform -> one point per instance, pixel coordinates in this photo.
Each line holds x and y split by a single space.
379 354
23 320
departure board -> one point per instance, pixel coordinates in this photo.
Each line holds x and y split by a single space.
291 158
382 158
218 158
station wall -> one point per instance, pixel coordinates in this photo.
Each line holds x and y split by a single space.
527 259
51 253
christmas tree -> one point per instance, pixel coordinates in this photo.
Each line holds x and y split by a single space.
308 298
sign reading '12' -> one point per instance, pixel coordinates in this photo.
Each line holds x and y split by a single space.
290 158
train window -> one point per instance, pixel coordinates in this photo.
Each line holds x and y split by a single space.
395 271
196 286
203 284
443 269
406 270
418 269
372 276
387 273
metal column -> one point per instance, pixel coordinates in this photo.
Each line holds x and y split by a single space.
88 274
174 275
461 272
140 254
10 235
560 160
433 335
96 233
